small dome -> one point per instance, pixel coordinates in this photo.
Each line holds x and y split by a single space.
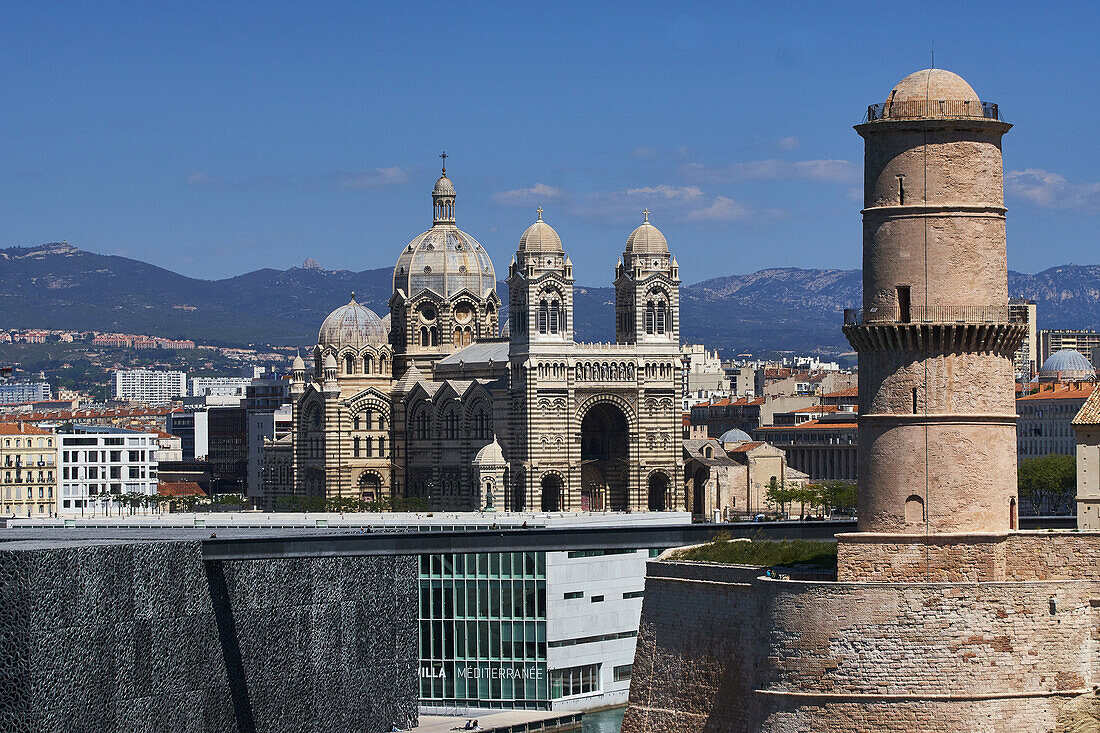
352 325
540 237
329 362
735 436
490 455
444 187
932 84
1067 365
647 239
298 364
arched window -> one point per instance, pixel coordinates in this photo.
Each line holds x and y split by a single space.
368 364
421 423
456 340
662 311
355 447
554 314
424 340
383 364
382 446
544 315
370 446
433 332
650 316
349 364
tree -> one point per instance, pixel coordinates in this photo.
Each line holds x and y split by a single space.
838 495
779 494
1047 481
808 495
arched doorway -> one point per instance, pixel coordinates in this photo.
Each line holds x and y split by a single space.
658 492
519 494
370 486
605 447
699 492
551 493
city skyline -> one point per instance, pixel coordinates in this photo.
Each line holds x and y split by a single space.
215 146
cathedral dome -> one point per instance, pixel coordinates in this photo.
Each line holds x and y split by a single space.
932 84
647 239
444 259
735 436
540 237
352 325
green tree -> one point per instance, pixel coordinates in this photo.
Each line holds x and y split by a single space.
779 494
838 495
1049 481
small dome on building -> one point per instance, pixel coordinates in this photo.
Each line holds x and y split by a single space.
932 84
298 364
444 187
490 455
1067 365
647 239
540 237
735 436
352 325
329 362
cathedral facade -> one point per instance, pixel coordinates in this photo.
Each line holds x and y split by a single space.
437 402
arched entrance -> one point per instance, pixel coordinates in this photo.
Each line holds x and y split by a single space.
658 492
605 448
551 493
370 486
699 492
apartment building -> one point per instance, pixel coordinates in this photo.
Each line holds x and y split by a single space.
28 464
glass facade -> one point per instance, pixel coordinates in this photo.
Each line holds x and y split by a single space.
483 630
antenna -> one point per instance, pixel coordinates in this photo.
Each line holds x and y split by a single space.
933 55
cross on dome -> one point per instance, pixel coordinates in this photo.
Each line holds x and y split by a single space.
645 214
444 156
539 211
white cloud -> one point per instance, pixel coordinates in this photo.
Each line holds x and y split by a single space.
834 171
1052 191
371 179
721 209
526 196
674 193
788 143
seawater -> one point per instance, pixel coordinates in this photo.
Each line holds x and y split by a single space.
605 721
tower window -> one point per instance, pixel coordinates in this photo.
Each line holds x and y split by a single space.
903 304
901 190
650 316
914 400
554 314
544 316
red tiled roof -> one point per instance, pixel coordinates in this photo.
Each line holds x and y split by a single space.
850 392
1064 393
816 424
746 447
12 428
179 488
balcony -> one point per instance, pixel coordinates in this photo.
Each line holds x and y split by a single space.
927 314
933 109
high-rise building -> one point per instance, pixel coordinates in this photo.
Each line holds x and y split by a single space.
17 391
1026 360
1052 341
149 386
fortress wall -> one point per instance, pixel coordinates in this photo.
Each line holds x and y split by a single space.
721 649
1053 555
144 637
698 649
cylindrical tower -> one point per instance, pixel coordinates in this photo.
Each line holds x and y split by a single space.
937 436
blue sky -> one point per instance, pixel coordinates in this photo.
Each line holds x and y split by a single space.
217 138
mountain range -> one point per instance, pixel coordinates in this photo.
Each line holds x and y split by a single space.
59 286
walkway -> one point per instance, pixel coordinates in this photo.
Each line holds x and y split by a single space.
504 721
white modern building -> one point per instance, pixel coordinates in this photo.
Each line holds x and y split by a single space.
149 386
99 464
219 386
264 425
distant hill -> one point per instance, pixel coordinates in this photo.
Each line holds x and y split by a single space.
60 286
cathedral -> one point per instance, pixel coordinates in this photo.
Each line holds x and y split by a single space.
439 402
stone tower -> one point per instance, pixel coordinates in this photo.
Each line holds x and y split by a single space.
937 443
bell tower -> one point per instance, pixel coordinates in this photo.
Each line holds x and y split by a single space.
647 289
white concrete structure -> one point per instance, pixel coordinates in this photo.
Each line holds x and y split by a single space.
149 386
99 463
219 386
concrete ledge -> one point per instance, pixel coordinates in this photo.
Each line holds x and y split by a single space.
916 697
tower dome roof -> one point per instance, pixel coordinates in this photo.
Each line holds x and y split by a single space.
933 84
444 187
298 364
1067 365
540 237
351 325
490 455
647 239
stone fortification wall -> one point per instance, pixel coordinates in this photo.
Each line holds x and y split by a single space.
145 637
719 652
953 558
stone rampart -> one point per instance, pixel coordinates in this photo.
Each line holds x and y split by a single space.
720 652
146 637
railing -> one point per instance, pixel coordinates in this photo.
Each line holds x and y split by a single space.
936 314
917 109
